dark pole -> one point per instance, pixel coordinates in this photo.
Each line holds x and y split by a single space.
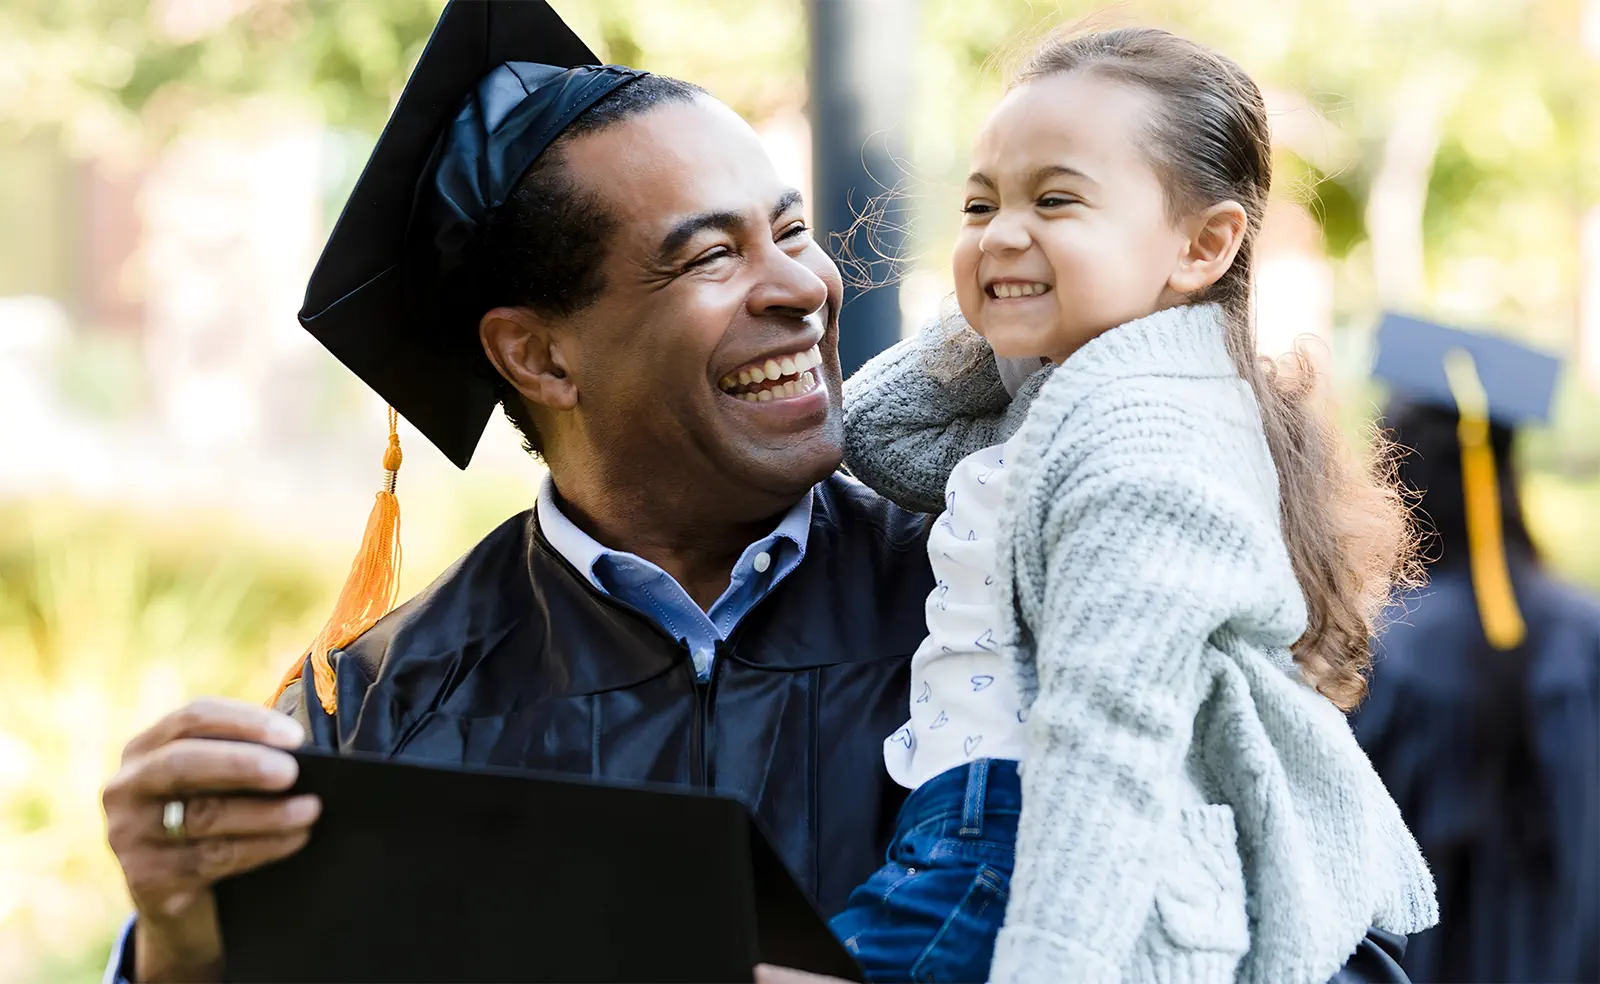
860 74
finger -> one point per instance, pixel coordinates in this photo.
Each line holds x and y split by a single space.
202 765
236 816
771 974
214 858
219 717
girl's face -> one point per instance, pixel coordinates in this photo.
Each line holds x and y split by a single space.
1066 233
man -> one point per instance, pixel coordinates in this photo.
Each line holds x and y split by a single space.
697 596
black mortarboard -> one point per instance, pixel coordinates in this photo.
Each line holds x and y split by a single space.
392 295
497 83
421 873
1517 380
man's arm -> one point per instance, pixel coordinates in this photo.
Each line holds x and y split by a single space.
916 410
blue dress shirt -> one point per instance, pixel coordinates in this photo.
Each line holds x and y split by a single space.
652 592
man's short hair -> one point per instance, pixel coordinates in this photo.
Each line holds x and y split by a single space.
544 247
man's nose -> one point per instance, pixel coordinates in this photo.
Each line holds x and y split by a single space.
788 288
1006 232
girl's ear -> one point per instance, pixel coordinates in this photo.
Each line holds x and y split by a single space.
1215 236
529 355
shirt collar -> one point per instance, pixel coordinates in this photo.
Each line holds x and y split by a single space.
583 551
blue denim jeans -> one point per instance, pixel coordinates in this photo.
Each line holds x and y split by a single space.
932 911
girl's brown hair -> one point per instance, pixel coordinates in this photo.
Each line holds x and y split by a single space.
1346 524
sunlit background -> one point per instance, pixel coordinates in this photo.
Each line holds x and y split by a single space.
184 472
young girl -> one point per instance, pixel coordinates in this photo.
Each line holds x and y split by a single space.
1158 568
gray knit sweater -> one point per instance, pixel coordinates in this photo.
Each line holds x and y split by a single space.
1193 811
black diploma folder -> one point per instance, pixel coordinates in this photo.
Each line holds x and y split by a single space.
418 873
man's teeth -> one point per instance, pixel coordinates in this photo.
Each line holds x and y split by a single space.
805 383
1018 290
799 366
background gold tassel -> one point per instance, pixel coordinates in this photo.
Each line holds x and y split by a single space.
1502 620
370 590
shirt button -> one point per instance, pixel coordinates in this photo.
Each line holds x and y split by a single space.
762 562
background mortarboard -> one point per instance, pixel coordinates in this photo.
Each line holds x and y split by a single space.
1518 380
1485 380
417 873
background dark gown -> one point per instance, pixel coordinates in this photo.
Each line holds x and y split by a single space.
1494 758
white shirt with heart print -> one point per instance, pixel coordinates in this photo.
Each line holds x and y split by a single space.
964 702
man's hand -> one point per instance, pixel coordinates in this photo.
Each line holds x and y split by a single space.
199 755
769 974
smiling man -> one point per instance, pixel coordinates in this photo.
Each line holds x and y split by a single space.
696 596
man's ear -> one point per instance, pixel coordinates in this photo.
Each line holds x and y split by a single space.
1215 236
523 349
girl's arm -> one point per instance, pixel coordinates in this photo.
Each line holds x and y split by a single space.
916 410
1128 556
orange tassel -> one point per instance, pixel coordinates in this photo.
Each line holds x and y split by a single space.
371 589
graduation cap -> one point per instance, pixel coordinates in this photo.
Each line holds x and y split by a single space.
1484 379
497 83
1518 381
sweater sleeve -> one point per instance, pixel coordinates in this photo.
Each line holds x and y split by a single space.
907 424
1144 556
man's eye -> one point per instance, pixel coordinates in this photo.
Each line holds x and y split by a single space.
977 208
710 256
796 231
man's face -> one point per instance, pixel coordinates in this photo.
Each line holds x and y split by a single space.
712 282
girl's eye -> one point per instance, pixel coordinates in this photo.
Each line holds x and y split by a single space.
977 208
1056 201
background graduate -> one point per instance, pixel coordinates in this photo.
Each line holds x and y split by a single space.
1484 714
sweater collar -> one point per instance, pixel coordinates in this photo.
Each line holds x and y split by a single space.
1188 341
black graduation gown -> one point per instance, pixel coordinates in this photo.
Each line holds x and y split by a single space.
1494 759
512 658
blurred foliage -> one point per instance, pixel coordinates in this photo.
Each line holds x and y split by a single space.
107 621
89 62
151 67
